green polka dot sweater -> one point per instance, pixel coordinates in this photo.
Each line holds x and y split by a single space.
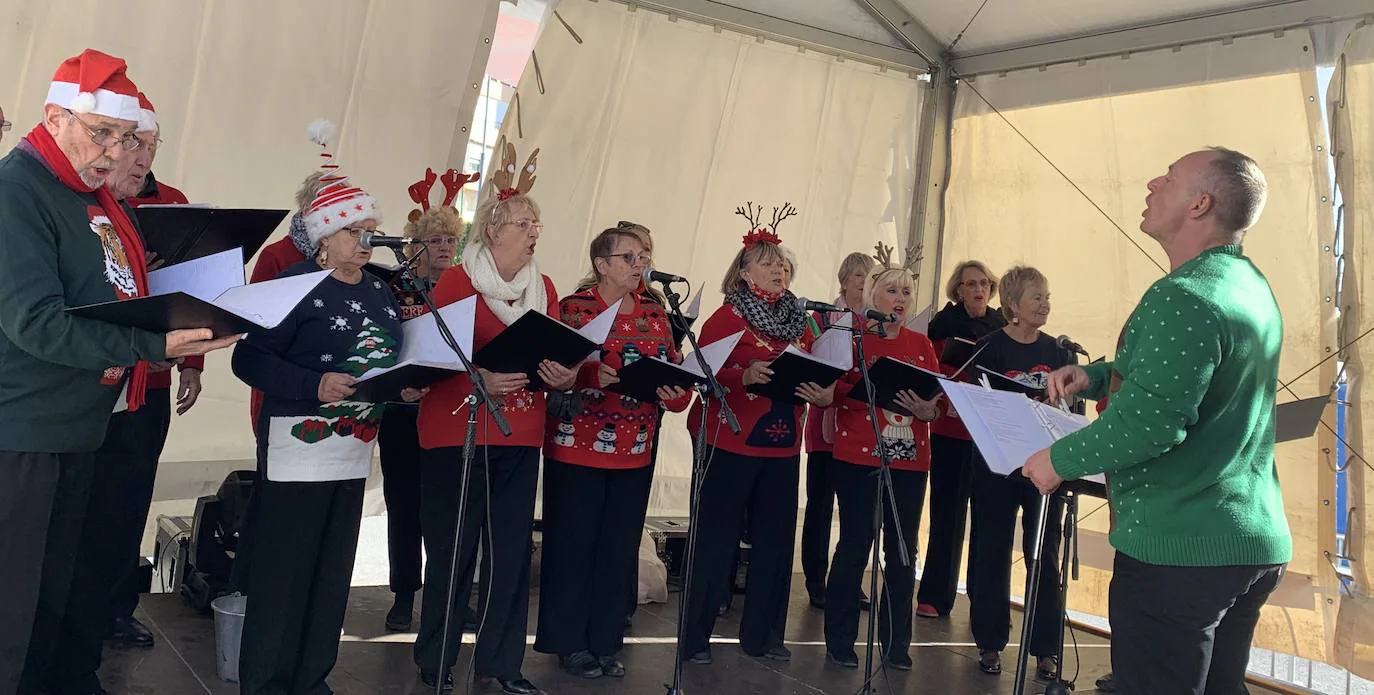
1188 441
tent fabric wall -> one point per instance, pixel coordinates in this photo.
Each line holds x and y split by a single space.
673 125
1351 96
235 85
1110 131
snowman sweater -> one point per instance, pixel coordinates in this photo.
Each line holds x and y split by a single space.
906 439
768 428
613 431
338 327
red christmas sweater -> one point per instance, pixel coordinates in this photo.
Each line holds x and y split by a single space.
613 431
158 193
907 439
768 428
524 410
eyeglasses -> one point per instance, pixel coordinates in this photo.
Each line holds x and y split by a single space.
632 258
973 284
440 241
526 225
106 137
5 126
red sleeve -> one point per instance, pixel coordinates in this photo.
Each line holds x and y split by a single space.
722 324
193 362
450 289
268 266
172 195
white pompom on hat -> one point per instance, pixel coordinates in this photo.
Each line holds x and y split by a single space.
338 203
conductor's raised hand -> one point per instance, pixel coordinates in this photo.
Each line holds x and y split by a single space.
606 375
1067 381
335 386
503 384
757 373
815 395
196 341
557 376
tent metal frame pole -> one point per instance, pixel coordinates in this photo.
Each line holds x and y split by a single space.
933 171
906 28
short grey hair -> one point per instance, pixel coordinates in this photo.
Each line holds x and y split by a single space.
305 195
1238 189
1014 285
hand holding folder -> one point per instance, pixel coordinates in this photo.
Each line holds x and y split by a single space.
535 337
642 378
207 292
831 356
425 357
892 376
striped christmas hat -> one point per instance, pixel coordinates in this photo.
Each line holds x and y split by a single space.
95 83
338 202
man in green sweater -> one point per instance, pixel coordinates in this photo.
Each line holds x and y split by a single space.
1188 441
67 243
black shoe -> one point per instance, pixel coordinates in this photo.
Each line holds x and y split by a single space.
580 664
128 632
469 620
847 660
431 679
629 621
1047 668
990 662
1106 684
818 601
778 653
402 611
901 662
702 657
518 686
610 666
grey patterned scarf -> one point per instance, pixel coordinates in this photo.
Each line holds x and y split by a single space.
780 320
300 237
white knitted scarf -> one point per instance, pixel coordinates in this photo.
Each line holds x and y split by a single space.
508 300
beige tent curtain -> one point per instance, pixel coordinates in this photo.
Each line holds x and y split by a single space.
673 124
1351 96
1111 126
235 85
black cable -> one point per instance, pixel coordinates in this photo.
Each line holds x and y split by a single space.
960 37
162 555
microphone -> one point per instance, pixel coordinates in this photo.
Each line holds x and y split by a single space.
1066 343
821 307
659 276
373 240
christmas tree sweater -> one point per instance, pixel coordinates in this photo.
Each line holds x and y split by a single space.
768 428
338 327
906 439
613 431
443 415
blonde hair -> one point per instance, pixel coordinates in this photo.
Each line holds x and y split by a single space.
305 195
861 262
886 277
494 212
440 221
957 277
1014 285
762 251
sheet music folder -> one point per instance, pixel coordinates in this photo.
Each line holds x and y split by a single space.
1298 419
425 358
830 357
642 378
892 375
535 337
178 233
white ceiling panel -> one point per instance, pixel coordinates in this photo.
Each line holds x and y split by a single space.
844 17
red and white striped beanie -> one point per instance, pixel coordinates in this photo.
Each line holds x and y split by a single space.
338 202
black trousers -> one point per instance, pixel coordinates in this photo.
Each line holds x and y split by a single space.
856 487
42 504
104 584
1185 630
500 512
951 484
816 521
996 499
399 441
767 489
593 518
298 583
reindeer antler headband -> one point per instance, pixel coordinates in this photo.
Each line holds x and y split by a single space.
758 232
504 178
453 181
885 261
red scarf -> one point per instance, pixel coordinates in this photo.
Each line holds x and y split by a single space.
52 155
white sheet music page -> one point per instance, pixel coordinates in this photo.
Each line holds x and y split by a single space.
205 278
832 348
599 328
268 303
921 322
694 307
715 355
424 343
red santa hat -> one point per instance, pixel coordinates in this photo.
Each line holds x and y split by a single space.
147 116
338 202
97 83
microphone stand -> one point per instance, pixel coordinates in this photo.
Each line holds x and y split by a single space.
479 397
710 389
883 488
